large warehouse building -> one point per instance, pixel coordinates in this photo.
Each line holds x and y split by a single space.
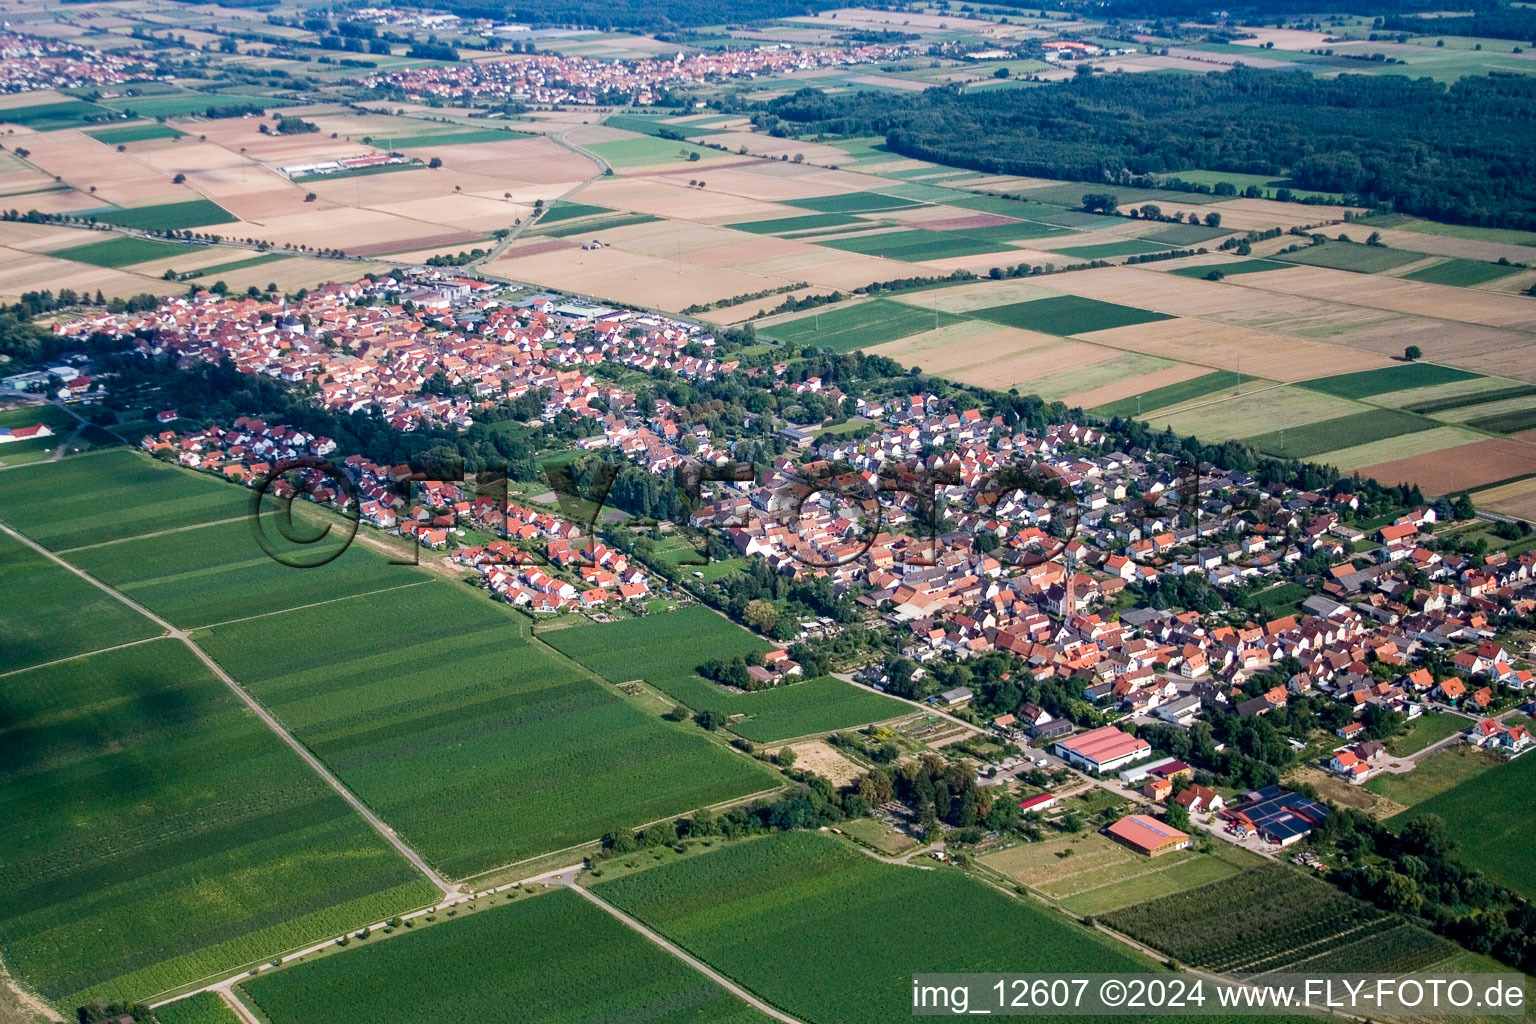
1102 750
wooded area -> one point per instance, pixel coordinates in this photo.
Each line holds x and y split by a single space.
1453 153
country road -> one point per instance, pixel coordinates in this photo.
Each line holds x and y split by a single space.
603 169
449 891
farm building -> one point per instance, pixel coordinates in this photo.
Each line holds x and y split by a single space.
1277 815
1103 749
1041 802
1145 834
24 433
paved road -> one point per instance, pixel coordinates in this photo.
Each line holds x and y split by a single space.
449 891
692 961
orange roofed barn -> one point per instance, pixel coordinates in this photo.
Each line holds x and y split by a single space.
1145 834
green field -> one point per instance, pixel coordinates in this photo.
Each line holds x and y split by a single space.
1230 267
1488 817
194 213
1426 730
62 615
1329 435
172 104
1461 273
620 220
853 202
1461 401
217 573
1170 394
1180 235
915 245
119 251
477 746
1108 250
568 211
110 496
449 139
134 133
555 959
46 117
158 833
1352 256
808 222
646 150
253 261
1438 773
1402 377
203 1008
816 902
676 643
656 125
1514 422
844 327
1288 919
1067 314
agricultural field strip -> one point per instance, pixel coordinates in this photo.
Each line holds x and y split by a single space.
261 713
146 536
317 604
687 958
85 654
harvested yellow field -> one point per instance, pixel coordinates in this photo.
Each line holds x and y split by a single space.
988 356
1116 390
824 760
967 298
1516 499
1117 369
1414 297
125 179
629 277
1240 349
674 199
291 274
26 272
742 311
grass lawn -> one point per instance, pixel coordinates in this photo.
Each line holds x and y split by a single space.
1352 256
1461 273
815 901
1426 730
665 649
1285 599
1108 250
1341 432
853 202
1365 383
553 958
1170 394
846 326
1066 315
112 495
194 213
1488 818
62 615
479 747
157 832
134 133
119 251
1433 775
